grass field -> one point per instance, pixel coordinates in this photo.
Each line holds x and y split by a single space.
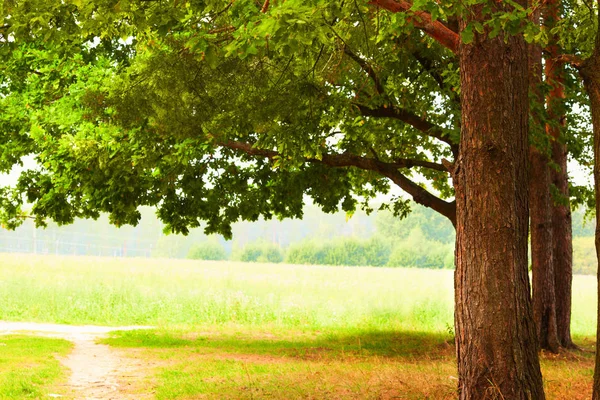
233 330
28 367
76 290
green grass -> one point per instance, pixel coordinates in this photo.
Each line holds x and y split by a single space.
28 367
296 365
169 292
86 290
234 330
247 364
304 345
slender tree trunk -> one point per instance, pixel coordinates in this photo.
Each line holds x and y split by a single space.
562 240
497 348
590 72
544 300
591 75
561 219
540 202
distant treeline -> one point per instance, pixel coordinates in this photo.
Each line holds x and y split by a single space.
416 250
423 239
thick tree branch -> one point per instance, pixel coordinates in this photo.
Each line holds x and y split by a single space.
389 170
423 197
436 29
367 68
340 160
412 119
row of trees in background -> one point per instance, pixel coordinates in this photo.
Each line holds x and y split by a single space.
423 239
416 250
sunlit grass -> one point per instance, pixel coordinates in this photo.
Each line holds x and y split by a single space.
234 330
28 366
83 290
87 290
296 365
247 364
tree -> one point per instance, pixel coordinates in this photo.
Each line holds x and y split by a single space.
562 235
582 52
542 257
589 69
220 111
587 63
492 208
590 72
401 136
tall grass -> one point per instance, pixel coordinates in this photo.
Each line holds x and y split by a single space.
86 290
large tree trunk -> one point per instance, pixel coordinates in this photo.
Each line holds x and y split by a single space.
540 202
497 349
561 219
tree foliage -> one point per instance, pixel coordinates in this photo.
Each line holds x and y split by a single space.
208 250
218 111
224 111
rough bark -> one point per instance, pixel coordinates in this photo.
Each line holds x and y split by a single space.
540 207
562 240
497 348
561 219
543 282
590 72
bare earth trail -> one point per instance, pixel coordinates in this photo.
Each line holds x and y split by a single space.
97 371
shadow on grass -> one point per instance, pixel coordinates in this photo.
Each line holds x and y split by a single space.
350 364
388 344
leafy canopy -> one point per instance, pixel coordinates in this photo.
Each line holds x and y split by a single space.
218 111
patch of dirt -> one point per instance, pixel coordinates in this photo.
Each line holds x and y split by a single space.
97 370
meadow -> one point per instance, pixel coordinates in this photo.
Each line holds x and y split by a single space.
104 291
242 330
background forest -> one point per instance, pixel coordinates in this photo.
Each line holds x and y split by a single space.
424 239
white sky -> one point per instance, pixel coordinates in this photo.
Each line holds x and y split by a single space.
579 176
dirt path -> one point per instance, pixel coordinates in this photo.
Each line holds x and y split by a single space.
97 371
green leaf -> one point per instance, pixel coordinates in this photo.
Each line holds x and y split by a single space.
467 34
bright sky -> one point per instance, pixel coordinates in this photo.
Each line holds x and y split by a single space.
579 176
